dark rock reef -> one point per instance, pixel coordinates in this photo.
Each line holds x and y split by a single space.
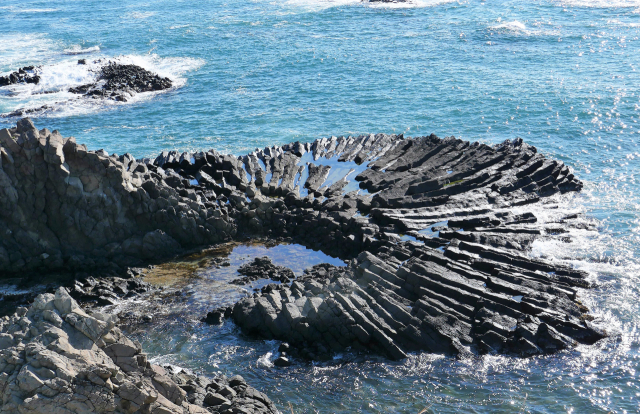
262 268
436 231
119 82
57 358
114 81
27 74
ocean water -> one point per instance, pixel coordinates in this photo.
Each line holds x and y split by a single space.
562 74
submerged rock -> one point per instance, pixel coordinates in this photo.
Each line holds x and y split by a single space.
55 357
438 257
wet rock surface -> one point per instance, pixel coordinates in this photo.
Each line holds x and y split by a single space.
55 357
106 291
120 82
27 74
262 268
221 394
437 231
423 301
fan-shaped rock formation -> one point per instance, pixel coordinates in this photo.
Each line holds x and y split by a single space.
438 231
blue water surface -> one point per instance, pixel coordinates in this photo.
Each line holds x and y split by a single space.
563 75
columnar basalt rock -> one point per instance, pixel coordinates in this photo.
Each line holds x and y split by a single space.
57 358
62 206
438 250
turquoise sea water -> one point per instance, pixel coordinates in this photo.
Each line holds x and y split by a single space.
563 75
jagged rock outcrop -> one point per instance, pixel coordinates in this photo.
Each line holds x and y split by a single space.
62 206
263 268
106 290
27 74
222 394
113 81
57 358
441 263
120 82
410 298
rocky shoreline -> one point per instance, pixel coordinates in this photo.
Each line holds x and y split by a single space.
56 357
27 74
437 253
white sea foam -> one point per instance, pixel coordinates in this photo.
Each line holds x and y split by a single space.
55 80
13 9
78 50
514 26
37 10
141 15
411 4
519 28
600 4
17 49
623 24
588 244
265 361
318 5
7 289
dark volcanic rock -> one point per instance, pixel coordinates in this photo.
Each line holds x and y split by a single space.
119 82
217 316
106 290
28 74
438 260
114 81
63 207
432 302
262 268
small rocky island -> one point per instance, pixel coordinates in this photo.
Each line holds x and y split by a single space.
436 233
114 81
120 82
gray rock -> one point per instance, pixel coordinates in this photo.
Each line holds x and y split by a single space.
213 399
78 366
